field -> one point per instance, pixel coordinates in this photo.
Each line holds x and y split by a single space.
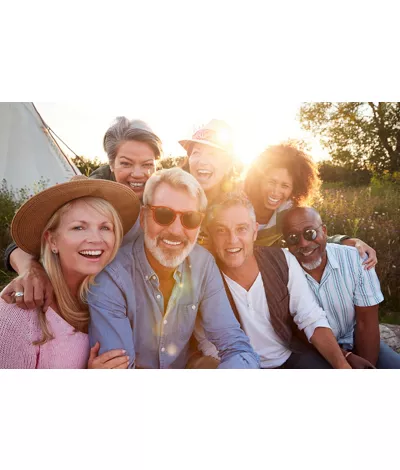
371 213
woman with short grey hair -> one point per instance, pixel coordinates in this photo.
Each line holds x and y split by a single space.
133 150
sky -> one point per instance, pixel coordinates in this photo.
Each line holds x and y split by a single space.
255 124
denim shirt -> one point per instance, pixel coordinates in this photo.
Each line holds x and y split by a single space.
127 311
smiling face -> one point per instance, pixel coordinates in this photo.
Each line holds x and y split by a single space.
134 163
233 233
311 254
276 187
84 241
209 165
171 244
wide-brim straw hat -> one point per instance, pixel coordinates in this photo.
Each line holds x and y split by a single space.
216 133
32 217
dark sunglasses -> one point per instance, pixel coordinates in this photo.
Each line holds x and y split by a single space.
166 216
308 234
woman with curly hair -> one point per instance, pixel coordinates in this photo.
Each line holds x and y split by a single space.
282 177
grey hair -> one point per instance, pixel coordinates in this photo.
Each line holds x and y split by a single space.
230 200
123 130
177 178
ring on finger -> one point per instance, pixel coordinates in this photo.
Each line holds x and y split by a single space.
19 294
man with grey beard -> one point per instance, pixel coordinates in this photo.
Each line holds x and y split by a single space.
147 300
349 294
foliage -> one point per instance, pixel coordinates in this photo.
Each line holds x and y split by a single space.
85 165
331 173
170 161
357 135
373 215
10 201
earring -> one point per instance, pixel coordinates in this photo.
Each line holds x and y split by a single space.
54 251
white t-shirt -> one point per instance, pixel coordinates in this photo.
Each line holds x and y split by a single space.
272 221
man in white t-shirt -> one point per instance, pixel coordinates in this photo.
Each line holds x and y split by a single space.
269 295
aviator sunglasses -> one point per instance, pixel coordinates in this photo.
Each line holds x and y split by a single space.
166 216
309 234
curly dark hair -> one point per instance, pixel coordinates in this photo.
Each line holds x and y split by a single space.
301 167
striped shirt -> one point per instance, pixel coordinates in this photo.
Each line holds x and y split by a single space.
345 284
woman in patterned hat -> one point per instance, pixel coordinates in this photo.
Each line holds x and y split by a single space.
212 162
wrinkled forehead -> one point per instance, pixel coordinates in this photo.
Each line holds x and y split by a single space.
176 198
231 216
300 219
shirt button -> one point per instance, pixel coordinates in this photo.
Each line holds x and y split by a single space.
153 277
158 296
162 349
193 307
165 322
147 278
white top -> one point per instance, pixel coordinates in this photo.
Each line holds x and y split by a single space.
272 221
254 314
344 284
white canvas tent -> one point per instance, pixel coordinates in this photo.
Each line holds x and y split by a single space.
28 151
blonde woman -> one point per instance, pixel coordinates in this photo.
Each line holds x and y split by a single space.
76 228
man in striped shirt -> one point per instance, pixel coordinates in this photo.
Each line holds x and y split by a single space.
349 294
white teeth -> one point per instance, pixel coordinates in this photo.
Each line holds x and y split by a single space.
169 242
136 185
308 253
274 201
233 250
204 172
91 252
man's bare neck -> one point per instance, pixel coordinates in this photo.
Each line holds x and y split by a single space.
245 275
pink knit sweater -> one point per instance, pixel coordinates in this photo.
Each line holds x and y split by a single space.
19 328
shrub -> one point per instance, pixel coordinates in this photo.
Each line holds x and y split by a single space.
345 175
10 201
86 165
375 219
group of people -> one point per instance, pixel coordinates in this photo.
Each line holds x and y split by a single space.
188 267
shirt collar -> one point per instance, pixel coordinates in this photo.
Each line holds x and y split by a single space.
332 260
332 263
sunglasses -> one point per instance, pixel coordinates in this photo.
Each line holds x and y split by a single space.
166 216
308 234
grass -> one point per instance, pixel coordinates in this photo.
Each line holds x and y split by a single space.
372 214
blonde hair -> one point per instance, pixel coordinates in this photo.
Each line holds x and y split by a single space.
177 178
73 310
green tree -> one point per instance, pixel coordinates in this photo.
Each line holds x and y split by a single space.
357 135
85 165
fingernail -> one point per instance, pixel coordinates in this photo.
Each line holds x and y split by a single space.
127 358
123 351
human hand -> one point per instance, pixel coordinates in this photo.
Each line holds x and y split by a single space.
35 286
363 250
114 359
358 362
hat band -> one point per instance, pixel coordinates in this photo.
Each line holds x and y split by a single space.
206 134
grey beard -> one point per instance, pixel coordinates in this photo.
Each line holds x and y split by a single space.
314 265
159 254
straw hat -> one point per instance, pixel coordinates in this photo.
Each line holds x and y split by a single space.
31 218
216 134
